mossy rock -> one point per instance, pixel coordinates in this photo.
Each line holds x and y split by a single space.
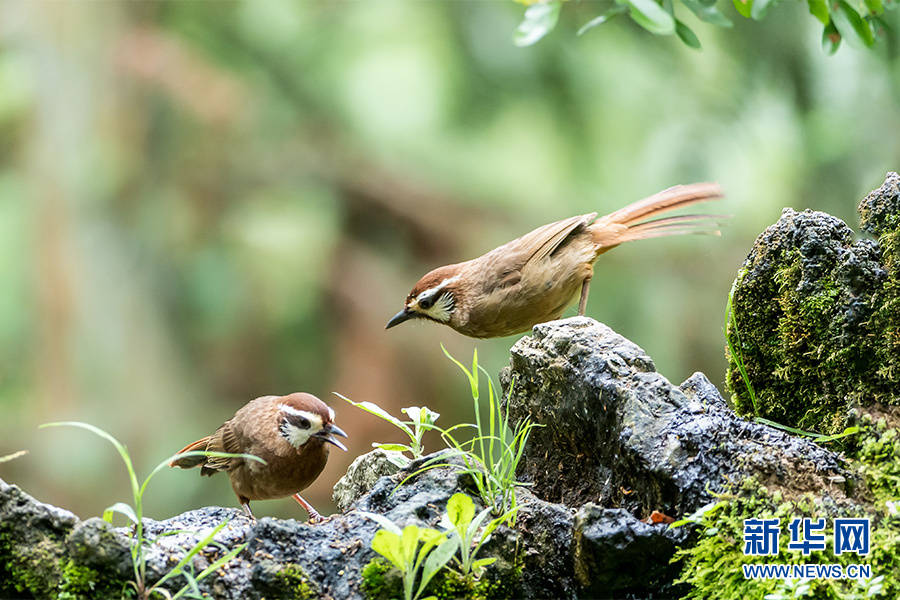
289 581
815 317
713 566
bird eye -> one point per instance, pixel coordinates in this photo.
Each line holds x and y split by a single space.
302 423
427 303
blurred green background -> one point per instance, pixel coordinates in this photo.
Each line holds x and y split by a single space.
205 202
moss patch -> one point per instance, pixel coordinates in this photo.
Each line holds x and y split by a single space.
32 571
382 582
816 322
296 582
83 583
713 567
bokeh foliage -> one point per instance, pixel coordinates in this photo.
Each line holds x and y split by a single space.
205 202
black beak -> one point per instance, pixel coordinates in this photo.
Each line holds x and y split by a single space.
403 315
325 435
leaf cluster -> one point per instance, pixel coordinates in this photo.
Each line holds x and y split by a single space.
464 532
134 513
490 457
857 21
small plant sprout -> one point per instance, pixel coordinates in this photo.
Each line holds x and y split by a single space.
466 527
415 563
135 513
422 419
493 455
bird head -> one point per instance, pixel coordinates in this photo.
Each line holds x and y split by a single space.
303 417
436 296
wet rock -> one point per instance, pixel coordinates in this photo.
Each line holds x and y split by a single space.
619 434
362 474
616 555
618 441
815 324
32 543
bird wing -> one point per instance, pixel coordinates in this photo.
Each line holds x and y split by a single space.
223 440
534 247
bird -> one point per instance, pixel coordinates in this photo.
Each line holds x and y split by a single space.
532 279
290 433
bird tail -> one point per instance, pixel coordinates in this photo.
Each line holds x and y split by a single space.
637 220
189 462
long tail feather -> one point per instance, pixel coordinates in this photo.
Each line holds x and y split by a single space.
672 198
189 462
636 221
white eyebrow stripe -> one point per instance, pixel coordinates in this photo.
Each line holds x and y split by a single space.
331 413
300 413
434 290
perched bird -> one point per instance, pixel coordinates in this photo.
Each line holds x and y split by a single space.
290 433
532 279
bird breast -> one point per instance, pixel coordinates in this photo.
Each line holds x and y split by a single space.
283 474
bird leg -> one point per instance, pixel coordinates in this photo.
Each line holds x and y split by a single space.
314 516
582 303
245 504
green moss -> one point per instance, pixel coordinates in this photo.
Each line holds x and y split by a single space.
382 582
42 571
879 455
815 324
32 570
80 582
296 583
713 567
379 582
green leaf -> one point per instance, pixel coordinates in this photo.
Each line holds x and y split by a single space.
122 509
429 535
379 412
760 8
851 26
436 561
409 541
708 13
483 562
652 17
876 7
540 19
686 35
421 414
697 516
387 544
601 19
819 9
383 521
472 529
460 511
392 447
744 7
179 568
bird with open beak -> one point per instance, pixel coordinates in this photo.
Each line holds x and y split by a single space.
290 433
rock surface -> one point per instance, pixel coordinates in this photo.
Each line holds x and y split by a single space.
619 434
362 474
814 316
619 441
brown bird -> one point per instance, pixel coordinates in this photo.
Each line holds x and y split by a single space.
532 279
290 433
